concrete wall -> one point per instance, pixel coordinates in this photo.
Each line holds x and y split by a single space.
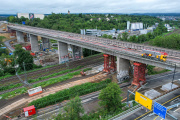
63 52
34 43
122 67
77 52
20 36
45 43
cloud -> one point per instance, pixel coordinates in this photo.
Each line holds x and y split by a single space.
89 6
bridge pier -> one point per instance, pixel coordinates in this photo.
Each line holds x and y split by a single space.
122 69
63 52
45 43
34 43
139 74
77 52
20 36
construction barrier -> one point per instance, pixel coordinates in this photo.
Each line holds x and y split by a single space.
35 91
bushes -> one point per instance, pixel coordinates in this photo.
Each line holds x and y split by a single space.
3 88
69 93
14 93
54 74
171 41
43 84
59 79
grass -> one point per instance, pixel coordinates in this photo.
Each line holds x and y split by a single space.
6 76
42 84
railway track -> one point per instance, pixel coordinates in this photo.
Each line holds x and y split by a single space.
84 100
48 71
87 64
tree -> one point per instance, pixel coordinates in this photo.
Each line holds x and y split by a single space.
73 109
21 56
110 97
105 36
124 36
119 37
109 36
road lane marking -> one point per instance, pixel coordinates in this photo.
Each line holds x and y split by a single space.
177 109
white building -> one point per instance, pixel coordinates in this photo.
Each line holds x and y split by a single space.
27 15
41 16
145 31
128 25
136 26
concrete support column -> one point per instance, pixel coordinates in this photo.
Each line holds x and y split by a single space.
20 36
122 68
63 52
34 43
45 43
77 52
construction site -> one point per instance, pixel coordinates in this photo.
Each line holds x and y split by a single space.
21 94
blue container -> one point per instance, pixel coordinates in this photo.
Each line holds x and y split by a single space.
23 22
3 47
10 53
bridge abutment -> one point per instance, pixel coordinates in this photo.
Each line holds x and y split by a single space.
20 37
34 43
45 43
63 52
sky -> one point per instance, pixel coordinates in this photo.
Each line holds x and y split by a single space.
89 6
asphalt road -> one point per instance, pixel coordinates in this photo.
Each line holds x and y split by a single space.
142 114
8 45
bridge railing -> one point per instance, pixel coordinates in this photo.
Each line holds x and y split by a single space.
136 46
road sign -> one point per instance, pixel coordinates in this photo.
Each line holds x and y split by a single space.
143 100
160 110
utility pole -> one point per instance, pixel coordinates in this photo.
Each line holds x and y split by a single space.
25 70
173 76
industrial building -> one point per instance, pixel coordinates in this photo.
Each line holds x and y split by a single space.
169 28
30 15
136 26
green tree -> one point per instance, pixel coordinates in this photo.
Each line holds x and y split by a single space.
11 19
119 37
110 37
21 56
110 97
124 36
73 109
105 36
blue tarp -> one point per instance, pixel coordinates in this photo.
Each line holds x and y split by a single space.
10 53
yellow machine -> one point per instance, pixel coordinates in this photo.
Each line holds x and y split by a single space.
161 56
4 29
8 60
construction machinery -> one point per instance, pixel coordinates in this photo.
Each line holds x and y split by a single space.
4 29
83 73
8 60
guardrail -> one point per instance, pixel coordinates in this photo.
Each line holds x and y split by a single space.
170 52
138 107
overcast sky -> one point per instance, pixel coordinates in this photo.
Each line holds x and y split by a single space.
89 6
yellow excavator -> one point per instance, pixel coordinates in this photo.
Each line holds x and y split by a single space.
8 60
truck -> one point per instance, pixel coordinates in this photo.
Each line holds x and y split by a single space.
4 29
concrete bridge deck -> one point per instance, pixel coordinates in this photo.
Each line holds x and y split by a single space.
126 50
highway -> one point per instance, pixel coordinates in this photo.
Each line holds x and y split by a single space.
151 83
126 50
